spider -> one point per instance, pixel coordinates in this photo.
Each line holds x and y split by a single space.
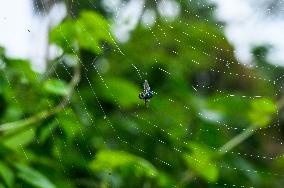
147 93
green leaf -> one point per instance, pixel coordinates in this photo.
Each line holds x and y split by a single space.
200 161
7 174
46 131
92 30
33 177
164 180
20 140
262 111
223 103
20 71
64 35
13 112
120 91
87 32
57 87
69 123
110 160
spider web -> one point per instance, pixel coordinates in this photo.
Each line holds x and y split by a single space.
145 127
164 162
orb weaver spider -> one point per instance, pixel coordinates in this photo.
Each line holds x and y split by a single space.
147 93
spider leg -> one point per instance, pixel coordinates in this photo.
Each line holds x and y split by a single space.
141 95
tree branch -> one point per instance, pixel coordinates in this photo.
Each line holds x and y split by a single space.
245 134
237 140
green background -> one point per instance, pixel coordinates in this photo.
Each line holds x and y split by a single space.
213 122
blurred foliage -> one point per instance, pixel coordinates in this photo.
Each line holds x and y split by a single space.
105 136
82 33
